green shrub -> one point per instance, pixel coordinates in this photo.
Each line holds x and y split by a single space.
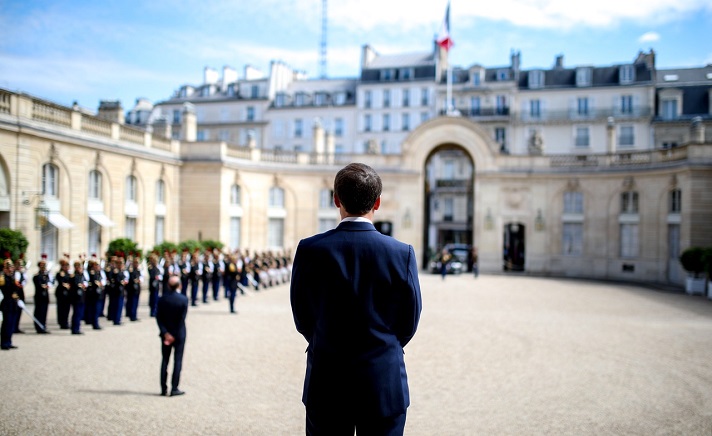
691 260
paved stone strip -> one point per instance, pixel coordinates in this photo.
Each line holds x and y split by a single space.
495 355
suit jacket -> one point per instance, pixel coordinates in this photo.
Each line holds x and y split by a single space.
171 311
356 299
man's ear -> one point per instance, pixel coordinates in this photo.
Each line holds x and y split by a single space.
337 203
377 204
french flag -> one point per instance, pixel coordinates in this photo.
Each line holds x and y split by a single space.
444 39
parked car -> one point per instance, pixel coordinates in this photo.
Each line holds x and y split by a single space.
460 259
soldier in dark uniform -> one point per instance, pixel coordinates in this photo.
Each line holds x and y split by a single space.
77 293
207 276
61 293
11 295
21 279
133 289
120 279
155 279
196 270
95 288
218 271
231 278
42 280
184 266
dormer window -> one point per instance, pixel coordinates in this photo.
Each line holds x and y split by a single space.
476 78
279 100
583 76
320 99
406 73
536 79
626 74
387 74
299 99
340 98
502 75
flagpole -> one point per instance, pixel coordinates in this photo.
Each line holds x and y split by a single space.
448 92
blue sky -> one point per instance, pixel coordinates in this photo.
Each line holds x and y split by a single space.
88 51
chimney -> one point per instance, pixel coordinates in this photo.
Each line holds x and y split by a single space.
111 110
190 123
559 62
516 62
368 54
210 76
229 75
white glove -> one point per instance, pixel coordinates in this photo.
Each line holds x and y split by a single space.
21 304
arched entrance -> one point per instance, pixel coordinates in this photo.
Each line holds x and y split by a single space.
513 252
448 208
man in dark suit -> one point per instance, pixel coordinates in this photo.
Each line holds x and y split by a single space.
356 299
171 311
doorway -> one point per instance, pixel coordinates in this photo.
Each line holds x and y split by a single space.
513 251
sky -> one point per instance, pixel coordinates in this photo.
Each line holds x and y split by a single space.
86 51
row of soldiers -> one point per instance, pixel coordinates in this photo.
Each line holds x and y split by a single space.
85 291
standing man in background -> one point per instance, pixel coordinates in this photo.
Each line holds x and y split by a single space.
170 316
42 280
356 299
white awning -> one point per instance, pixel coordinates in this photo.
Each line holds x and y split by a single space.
101 219
60 221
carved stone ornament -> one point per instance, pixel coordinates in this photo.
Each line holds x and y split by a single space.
629 183
673 181
514 197
536 143
573 184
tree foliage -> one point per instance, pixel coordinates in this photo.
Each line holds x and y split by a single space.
13 244
123 247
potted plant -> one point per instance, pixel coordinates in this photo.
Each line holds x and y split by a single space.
691 260
707 261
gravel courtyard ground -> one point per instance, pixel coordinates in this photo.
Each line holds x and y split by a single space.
497 355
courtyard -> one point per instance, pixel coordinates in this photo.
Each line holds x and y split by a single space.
496 355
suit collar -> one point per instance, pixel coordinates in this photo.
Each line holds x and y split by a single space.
356 226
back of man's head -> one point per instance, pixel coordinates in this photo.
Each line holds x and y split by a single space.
173 283
357 187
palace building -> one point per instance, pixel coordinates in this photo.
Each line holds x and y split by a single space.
582 171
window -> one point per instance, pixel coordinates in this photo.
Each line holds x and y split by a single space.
626 104
572 239
502 75
224 135
536 79
582 106
583 76
448 170
387 74
326 199
629 240
629 202
48 241
320 99
255 91
130 230
669 144
500 135
406 98
384 146
475 105
669 109
340 98
367 123
50 180
94 237
339 127
502 105
386 122
299 99
326 224
626 136
582 138
449 208
276 197
405 122
573 202
279 100
160 192
367 99
675 201
176 116
202 135
626 74
94 185
298 128
235 195
535 108
275 232
235 227
160 229
386 98
406 73
131 189
476 78
424 97
250 113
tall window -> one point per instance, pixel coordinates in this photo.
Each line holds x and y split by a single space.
130 230
449 206
131 189
669 109
160 229
276 197
629 240
235 229
48 241
582 106
50 180
235 195
339 127
326 199
298 128
582 138
476 78
572 239
386 98
406 98
275 232
475 105
573 202
160 192
626 136
424 97
386 122
536 79
448 170
626 104
629 202
255 91
367 123
94 185
502 105
94 237
500 135
405 122
675 201
250 113
367 99
535 108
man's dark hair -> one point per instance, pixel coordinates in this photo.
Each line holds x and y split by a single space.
358 187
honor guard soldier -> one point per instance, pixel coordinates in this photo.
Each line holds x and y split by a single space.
42 280
196 270
119 279
61 293
231 278
20 277
207 276
184 266
133 289
155 279
218 271
77 293
11 295
95 288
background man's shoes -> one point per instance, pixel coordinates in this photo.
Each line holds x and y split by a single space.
176 392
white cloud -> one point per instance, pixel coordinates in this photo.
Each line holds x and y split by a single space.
649 37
